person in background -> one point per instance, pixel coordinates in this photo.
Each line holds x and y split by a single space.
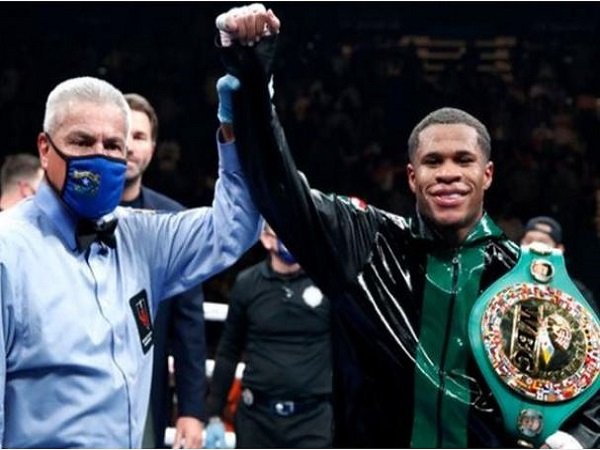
548 231
401 287
20 176
278 323
178 322
82 277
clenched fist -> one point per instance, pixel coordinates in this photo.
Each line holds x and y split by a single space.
248 24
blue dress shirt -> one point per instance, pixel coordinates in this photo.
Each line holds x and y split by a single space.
76 370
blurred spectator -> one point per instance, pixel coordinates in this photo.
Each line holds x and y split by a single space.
20 177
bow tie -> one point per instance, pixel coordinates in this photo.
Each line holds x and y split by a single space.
88 231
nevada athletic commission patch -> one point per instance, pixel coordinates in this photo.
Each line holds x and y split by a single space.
541 342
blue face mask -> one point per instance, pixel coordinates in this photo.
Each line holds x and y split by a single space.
93 183
285 254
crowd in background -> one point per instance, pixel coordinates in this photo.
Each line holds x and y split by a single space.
348 94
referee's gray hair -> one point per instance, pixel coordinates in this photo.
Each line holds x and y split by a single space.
451 116
82 89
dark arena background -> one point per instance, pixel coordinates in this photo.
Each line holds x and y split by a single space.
352 79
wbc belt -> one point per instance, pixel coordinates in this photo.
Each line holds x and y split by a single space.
537 343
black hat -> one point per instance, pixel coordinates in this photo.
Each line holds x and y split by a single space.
546 225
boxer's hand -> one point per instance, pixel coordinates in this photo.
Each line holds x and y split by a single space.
560 439
248 24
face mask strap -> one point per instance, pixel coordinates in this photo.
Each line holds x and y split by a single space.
65 158
59 152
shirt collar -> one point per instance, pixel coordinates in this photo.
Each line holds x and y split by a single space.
483 229
53 207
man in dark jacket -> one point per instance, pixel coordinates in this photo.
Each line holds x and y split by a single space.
278 323
178 323
402 289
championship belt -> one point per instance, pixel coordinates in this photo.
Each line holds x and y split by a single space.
537 343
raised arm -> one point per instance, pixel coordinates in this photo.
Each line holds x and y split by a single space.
329 235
